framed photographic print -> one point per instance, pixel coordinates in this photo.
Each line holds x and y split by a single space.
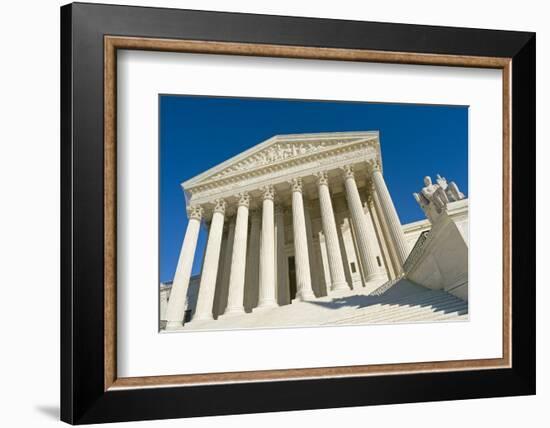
265 213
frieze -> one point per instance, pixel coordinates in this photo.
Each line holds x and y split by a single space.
251 182
275 153
319 160
280 156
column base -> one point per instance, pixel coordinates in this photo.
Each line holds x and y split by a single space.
202 318
232 312
357 284
340 286
376 276
173 325
304 297
266 305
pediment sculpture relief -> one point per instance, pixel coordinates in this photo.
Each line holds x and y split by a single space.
276 153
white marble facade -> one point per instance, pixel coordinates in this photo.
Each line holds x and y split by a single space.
294 218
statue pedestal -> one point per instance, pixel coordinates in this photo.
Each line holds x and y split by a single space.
440 260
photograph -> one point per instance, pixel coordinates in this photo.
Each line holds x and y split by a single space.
283 213
263 212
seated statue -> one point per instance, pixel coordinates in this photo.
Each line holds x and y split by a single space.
441 181
453 192
451 189
435 194
433 198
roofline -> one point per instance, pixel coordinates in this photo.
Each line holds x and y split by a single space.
283 138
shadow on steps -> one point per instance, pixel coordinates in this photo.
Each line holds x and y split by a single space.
401 295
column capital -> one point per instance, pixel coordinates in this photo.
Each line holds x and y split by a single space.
322 178
220 206
373 165
268 192
296 184
195 212
369 194
244 199
369 200
347 171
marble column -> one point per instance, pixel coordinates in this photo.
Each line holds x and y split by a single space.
382 242
281 261
334 255
222 283
303 274
207 285
324 260
315 282
390 214
252 262
364 240
385 233
235 299
175 310
377 254
267 297
221 268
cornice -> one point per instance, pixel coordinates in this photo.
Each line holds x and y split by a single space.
285 164
252 183
282 141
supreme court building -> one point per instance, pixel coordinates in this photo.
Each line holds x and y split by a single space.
294 218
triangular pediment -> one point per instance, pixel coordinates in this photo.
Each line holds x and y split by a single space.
279 149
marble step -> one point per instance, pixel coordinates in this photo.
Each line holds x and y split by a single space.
415 313
389 308
438 305
428 306
403 302
454 316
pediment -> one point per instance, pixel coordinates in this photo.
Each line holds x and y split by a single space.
278 150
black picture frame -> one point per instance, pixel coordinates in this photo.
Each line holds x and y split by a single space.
83 396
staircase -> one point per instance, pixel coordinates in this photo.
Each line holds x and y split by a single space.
404 302
397 301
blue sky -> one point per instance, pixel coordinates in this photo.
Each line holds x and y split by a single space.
197 133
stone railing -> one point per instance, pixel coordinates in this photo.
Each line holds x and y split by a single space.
417 251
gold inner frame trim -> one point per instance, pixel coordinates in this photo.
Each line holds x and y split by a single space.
113 43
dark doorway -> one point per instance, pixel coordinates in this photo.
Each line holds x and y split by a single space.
292 278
